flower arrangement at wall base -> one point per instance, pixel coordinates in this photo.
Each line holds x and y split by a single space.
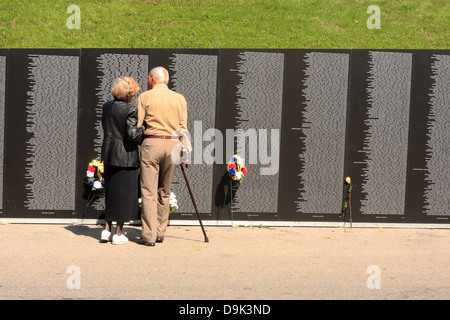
236 168
236 171
94 176
348 199
173 202
95 182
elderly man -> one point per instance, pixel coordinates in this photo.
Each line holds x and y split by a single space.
163 112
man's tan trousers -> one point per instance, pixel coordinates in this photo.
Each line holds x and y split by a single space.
157 171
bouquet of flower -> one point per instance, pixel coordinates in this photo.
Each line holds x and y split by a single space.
173 202
348 183
94 176
236 168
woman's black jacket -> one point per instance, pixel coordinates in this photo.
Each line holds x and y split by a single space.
121 136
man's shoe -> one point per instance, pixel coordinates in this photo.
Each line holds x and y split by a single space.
116 239
146 243
159 240
104 238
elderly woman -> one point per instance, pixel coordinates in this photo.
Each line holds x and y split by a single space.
120 156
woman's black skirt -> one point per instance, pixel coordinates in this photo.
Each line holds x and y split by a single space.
121 193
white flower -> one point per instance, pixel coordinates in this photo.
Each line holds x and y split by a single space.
97 185
238 175
173 202
173 198
89 174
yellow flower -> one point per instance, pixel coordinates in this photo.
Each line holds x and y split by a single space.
348 180
97 164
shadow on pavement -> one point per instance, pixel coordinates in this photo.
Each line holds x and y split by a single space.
132 234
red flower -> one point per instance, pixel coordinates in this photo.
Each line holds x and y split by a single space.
91 169
244 170
232 165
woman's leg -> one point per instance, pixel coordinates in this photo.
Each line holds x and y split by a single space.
106 233
118 237
119 227
108 225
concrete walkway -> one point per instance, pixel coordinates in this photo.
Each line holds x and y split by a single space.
283 263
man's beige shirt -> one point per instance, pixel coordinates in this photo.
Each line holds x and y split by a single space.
163 112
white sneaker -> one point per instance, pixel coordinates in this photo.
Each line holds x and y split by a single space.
105 236
119 239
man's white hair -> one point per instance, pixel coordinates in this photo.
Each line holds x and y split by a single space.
160 74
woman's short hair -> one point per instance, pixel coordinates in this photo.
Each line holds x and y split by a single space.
124 88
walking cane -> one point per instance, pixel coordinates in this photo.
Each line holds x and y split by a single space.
193 202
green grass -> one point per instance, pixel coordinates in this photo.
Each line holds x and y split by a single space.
405 24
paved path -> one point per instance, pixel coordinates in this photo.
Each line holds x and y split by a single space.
68 262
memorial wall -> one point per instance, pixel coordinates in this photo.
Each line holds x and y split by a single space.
302 119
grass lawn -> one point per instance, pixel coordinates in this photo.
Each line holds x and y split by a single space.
405 24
